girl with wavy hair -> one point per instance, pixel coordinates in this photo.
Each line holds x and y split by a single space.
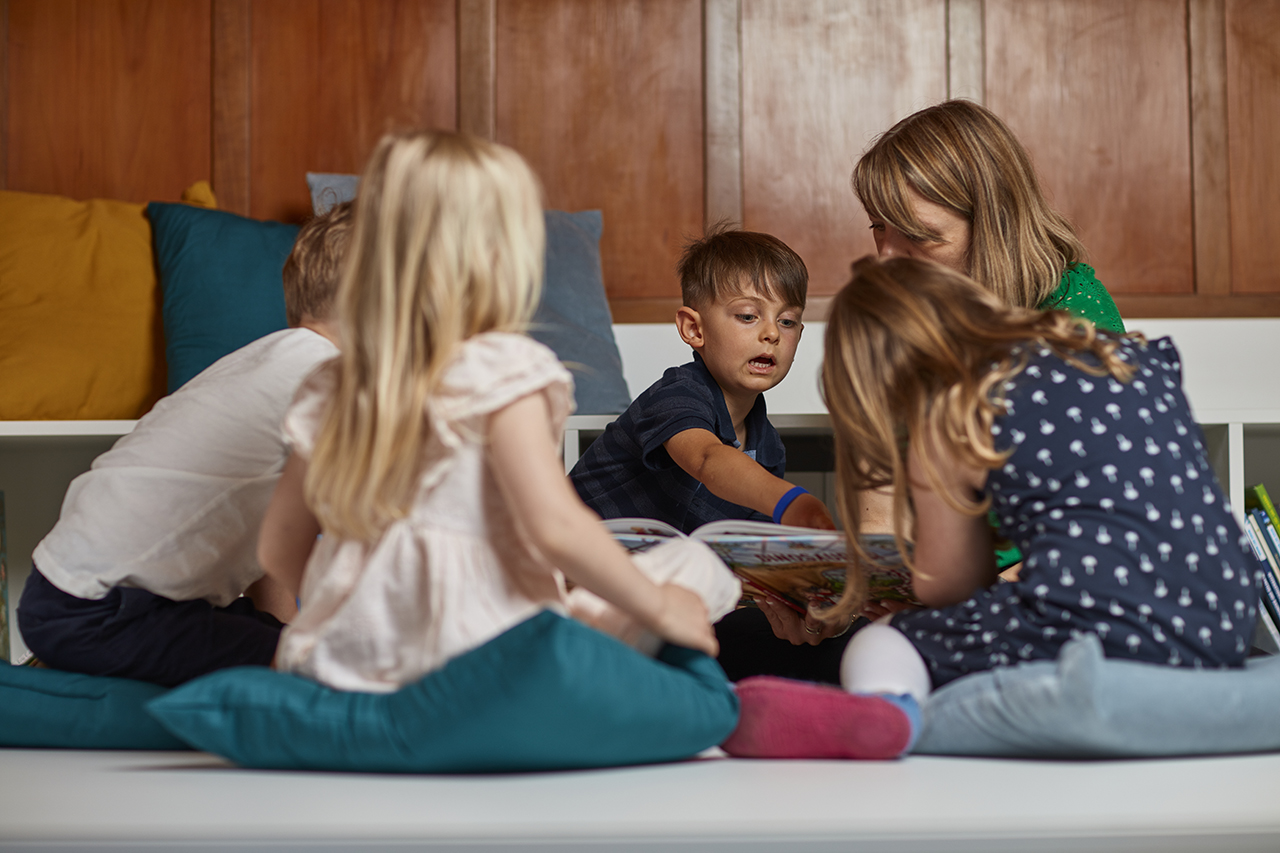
1081 445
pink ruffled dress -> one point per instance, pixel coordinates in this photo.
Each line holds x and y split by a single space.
453 574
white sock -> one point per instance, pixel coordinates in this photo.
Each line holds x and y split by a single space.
880 659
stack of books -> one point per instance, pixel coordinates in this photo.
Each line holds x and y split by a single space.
4 588
1262 524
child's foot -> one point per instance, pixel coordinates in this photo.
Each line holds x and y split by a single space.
782 718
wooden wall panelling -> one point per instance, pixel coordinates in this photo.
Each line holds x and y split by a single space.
605 102
4 94
1210 174
966 56
819 81
477 22
1253 126
1098 92
231 45
329 77
722 109
108 99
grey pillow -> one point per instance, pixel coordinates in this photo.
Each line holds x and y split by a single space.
573 318
329 189
1085 706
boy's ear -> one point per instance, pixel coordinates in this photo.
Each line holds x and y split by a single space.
689 325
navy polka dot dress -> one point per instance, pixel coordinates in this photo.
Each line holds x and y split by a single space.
1124 530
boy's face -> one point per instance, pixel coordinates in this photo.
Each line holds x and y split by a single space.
748 341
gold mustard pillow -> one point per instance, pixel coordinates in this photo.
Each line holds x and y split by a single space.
79 312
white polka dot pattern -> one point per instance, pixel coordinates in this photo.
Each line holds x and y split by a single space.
1123 527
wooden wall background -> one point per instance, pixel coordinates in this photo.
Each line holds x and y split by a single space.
1152 122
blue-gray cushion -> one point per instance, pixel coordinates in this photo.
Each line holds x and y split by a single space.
328 189
1085 706
48 708
549 694
573 318
221 282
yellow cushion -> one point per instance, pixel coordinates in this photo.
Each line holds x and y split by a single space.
79 311
200 194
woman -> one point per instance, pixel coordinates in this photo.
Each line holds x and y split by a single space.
952 184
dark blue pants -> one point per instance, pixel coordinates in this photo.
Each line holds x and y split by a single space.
132 633
748 647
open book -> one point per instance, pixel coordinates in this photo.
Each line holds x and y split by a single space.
796 566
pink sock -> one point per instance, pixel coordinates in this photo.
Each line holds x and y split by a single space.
783 718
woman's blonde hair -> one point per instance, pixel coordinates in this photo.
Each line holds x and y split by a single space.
448 243
916 356
962 156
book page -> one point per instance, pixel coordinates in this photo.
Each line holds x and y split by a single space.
638 535
743 527
808 568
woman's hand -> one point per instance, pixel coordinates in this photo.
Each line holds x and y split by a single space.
794 628
874 610
683 620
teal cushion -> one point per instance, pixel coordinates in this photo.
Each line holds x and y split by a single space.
573 317
48 708
1085 706
220 282
549 694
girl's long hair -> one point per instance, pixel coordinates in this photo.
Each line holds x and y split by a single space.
916 356
962 156
448 243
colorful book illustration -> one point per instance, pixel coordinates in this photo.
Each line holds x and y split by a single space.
796 566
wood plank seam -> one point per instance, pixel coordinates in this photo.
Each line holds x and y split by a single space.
231 83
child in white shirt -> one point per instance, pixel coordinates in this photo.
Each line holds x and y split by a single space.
143 575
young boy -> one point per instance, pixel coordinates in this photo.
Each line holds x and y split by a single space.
143 575
697 445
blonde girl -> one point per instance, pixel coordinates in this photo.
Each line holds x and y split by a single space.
952 184
427 453
1081 443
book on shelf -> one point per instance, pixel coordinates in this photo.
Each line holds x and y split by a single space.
1269 594
1256 497
796 566
4 586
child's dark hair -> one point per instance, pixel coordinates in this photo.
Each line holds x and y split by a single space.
723 262
314 267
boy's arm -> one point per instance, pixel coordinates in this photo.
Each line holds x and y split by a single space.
289 529
732 475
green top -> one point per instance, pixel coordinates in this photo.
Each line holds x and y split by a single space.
1080 293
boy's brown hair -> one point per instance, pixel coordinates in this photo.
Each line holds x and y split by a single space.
314 267
722 263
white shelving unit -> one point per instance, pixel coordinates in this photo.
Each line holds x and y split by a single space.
1227 373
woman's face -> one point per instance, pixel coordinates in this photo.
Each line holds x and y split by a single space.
950 250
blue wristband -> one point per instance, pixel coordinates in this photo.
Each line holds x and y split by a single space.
786 501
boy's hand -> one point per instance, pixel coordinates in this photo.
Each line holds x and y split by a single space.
683 620
808 511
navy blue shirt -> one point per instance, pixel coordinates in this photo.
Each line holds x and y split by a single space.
627 472
1109 493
